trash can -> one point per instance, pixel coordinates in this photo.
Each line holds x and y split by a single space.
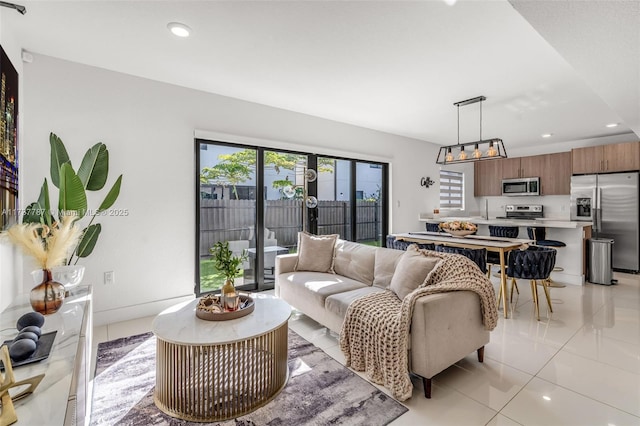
600 261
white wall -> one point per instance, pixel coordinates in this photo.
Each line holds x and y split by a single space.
149 129
10 260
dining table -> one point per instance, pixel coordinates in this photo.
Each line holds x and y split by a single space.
499 245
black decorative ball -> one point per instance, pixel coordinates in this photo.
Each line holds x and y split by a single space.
22 349
26 335
33 329
30 318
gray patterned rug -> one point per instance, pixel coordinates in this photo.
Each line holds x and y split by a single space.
320 390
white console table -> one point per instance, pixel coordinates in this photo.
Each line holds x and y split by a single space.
63 397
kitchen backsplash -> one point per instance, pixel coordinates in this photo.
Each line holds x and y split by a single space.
555 206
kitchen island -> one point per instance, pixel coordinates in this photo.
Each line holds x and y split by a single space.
572 258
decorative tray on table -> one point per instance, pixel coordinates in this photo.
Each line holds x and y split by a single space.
211 308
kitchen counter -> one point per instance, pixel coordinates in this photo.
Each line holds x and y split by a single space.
548 223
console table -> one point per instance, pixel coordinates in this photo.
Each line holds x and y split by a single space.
63 397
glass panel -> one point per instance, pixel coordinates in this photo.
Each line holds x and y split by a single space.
284 192
334 197
227 209
369 203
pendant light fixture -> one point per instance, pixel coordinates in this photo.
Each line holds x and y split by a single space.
457 154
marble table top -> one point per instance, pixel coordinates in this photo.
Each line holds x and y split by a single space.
179 324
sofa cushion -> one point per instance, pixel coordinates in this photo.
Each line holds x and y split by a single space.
315 252
354 261
316 285
385 265
412 270
339 302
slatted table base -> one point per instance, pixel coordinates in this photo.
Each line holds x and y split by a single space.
205 383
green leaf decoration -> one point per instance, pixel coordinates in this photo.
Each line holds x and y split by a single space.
44 204
112 196
89 239
72 195
59 156
33 214
95 167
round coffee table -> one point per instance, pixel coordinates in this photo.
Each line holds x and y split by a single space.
210 371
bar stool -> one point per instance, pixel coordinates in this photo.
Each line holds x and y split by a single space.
533 264
493 258
538 235
433 227
479 256
394 243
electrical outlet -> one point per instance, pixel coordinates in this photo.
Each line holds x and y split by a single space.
109 278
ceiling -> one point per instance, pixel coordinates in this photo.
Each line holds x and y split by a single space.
392 66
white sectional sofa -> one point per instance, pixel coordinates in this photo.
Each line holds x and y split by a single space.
445 327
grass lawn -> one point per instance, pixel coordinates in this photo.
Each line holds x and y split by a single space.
212 279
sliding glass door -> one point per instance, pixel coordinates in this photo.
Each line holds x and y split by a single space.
257 199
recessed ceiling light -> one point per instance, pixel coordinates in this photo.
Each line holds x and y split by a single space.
612 125
547 135
178 29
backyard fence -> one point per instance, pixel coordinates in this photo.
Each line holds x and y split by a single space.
230 220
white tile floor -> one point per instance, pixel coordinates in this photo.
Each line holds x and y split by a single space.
578 366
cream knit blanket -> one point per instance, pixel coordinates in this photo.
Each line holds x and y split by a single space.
375 331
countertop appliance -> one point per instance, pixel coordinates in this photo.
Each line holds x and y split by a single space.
523 211
521 186
610 202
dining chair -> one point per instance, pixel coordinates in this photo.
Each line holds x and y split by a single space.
479 256
493 258
534 264
394 243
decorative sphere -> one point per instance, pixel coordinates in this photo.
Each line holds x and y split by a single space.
26 335
22 349
32 329
30 318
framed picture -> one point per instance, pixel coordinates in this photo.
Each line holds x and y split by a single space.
8 141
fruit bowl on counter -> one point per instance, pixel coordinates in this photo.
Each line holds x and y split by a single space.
458 228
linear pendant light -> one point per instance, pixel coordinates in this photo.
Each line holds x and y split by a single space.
489 149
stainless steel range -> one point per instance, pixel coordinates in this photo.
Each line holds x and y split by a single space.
523 211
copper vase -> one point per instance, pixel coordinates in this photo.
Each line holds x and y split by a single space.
47 297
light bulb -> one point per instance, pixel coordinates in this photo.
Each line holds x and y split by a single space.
311 202
289 191
462 155
476 152
491 152
449 156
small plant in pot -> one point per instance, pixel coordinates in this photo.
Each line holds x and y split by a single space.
229 265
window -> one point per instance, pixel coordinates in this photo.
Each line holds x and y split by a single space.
451 190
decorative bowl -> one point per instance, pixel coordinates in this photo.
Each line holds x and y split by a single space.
247 306
459 232
67 275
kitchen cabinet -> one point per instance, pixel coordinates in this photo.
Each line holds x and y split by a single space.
620 157
487 178
554 171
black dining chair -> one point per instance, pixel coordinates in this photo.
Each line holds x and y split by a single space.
479 256
493 258
539 236
394 243
534 264
433 227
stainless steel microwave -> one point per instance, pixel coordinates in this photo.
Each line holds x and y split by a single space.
521 186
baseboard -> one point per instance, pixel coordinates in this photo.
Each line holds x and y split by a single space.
126 313
564 278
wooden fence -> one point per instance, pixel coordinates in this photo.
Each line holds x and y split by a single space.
228 220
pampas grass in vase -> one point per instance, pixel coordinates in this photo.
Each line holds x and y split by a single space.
49 246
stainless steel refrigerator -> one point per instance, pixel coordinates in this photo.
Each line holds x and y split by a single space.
610 201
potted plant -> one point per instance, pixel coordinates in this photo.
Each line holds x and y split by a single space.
72 197
229 265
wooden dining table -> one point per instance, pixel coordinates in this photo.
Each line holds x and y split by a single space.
500 245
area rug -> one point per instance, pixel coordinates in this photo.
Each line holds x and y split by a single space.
320 390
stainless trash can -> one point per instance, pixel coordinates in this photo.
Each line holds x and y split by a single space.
600 261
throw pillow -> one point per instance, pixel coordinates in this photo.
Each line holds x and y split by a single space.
315 252
412 270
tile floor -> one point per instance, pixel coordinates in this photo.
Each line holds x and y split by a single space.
578 366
